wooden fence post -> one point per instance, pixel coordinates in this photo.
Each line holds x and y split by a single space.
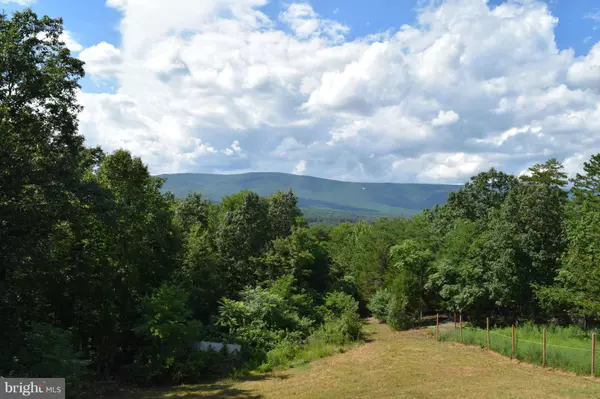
461 338
544 347
512 353
455 320
487 327
437 327
593 354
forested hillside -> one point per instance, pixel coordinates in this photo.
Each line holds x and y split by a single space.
322 200
103 277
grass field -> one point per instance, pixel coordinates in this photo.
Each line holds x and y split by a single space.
566 348
397 365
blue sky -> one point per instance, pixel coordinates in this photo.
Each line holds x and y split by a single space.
92 21
318 87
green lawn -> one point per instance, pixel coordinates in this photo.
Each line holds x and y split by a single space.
566 348
408 364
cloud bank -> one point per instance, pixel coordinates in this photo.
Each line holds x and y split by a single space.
218 86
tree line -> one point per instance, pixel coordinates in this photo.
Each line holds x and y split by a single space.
503 246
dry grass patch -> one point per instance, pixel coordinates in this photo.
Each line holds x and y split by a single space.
400 365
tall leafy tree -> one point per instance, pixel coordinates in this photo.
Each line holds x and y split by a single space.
531 235
192 211
577 285
412 266
299 255
243 233
41 166
484 192
283 213
459 274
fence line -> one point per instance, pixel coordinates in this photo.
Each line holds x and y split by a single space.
563 360
530 342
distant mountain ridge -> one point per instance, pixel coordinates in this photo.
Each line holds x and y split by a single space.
317 194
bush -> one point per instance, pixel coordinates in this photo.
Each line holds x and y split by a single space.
379 304
168 333
394 309
195 366
342 325
47 352
341 320
341 330
281 355
337 303
262 319
399 316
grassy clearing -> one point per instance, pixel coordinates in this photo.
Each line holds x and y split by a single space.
407 364
567 348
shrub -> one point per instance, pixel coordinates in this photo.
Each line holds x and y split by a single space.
342 325
281 355
337 303
47 352
399 316
341 330
379 304
262 319
269 321
168 333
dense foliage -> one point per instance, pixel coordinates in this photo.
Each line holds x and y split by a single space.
504 247
103 276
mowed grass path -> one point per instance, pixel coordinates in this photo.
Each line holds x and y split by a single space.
406 364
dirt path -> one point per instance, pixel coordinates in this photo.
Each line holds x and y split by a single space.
402 365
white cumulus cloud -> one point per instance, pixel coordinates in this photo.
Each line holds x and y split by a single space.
102 60
445 118
70 42
19 2
468 86
300 167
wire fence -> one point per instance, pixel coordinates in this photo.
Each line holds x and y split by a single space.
556 348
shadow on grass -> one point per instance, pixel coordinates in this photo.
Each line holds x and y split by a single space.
367 336
221 389
428 321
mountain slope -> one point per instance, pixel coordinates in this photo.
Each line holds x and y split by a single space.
316 194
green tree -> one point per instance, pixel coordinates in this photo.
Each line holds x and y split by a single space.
459 273
42 161
299 255
411 267
243 233
142 249
202 274
192 211
550 174
527 239
484 192
167 331
283 213
577 285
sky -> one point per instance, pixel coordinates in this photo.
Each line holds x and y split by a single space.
430 91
